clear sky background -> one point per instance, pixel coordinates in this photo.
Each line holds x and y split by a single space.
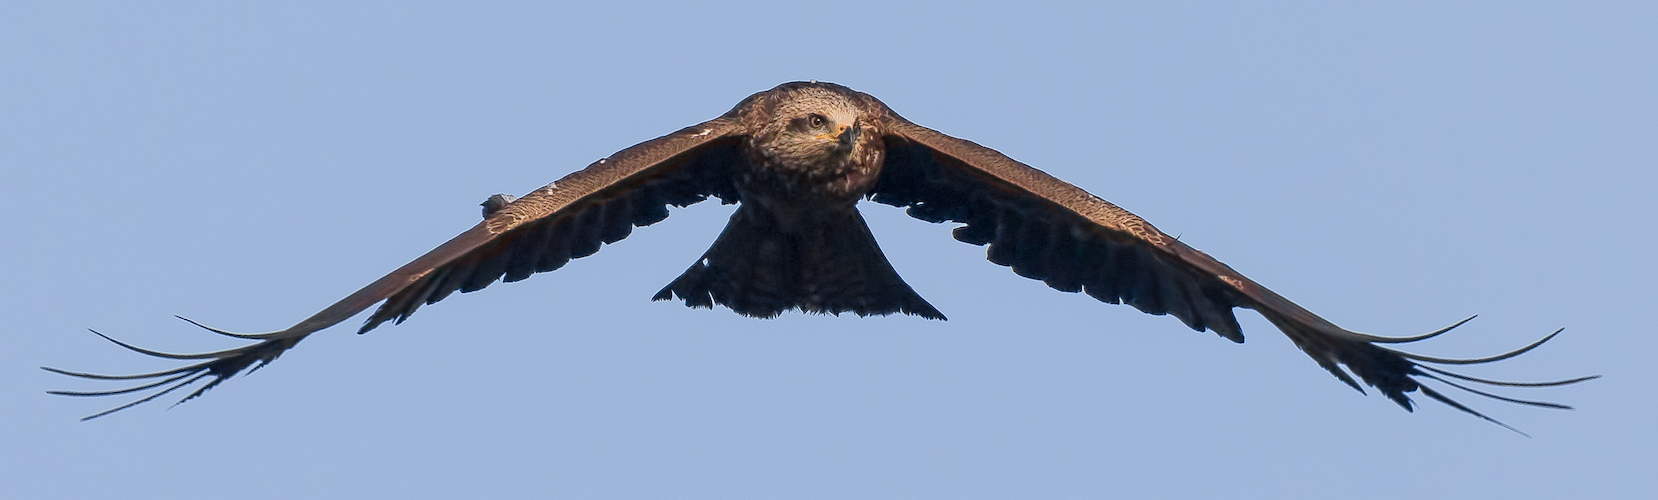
1393 167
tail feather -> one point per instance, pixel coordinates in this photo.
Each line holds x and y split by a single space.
761 267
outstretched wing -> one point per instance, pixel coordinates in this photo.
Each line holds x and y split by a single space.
1049 230
568 219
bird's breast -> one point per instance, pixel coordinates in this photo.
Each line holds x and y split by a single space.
801 192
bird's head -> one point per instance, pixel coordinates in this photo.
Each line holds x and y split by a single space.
835 129
814 125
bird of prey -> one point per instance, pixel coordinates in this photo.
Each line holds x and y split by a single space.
796 160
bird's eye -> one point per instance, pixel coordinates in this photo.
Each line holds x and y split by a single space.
817 121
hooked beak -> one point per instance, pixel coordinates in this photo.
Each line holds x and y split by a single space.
848 135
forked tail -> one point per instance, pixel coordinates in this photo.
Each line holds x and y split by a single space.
761 267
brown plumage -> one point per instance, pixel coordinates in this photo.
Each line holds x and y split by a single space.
798 158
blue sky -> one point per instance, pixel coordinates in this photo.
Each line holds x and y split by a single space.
1394 168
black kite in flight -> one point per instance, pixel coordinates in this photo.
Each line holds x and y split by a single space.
799 158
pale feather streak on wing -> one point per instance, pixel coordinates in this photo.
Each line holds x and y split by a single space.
487 251
1050 230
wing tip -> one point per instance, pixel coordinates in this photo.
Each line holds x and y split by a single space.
1396 373
220 365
